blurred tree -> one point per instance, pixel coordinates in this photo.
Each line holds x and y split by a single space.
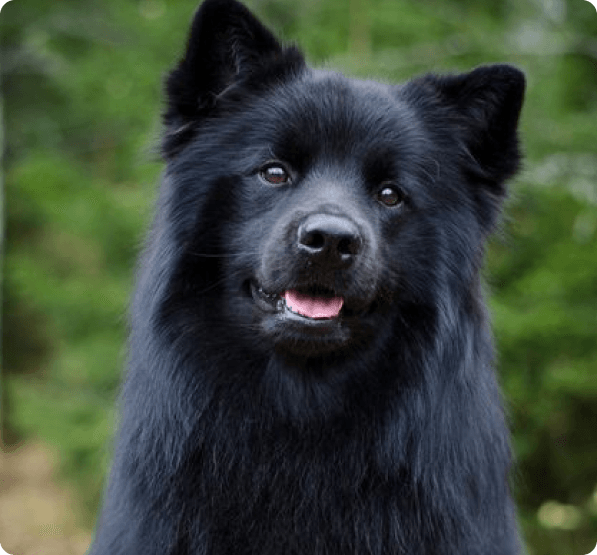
3 401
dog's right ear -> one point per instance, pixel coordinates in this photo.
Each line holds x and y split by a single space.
227 45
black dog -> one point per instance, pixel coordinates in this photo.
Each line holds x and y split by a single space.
310 363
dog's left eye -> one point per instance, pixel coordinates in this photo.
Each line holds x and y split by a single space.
275 174
390 195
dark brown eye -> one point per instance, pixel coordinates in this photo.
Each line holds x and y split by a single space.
275 174
390 196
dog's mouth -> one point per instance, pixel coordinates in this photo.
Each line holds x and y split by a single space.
310 303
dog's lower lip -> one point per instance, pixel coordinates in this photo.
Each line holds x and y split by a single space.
277 303
269 302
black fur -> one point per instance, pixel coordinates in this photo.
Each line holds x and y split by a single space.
246 430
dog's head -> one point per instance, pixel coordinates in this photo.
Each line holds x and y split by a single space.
310 210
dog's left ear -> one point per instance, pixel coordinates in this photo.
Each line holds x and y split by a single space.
483 107
227 45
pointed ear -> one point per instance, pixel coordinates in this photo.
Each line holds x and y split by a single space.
485 105
227 45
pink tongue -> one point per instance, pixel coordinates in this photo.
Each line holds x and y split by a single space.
313 307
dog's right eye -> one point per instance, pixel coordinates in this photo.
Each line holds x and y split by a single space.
275 174
390 195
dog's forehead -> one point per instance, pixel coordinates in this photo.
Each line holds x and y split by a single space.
325 111
331 100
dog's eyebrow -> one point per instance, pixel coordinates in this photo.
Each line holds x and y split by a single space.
250 160
379 164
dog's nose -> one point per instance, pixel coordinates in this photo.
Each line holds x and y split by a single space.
334 240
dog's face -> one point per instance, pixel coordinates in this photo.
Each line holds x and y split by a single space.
328 178
326 207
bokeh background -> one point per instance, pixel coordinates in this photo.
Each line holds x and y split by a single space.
81 93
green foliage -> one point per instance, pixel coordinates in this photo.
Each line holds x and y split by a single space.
82 87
